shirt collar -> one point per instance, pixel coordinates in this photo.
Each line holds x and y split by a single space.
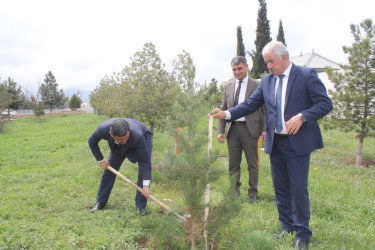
287 71
243 80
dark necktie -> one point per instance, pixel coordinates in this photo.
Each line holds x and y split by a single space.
237 94
279 120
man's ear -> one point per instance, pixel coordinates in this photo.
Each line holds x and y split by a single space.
111 134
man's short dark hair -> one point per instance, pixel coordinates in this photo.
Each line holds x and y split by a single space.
239 59
119 128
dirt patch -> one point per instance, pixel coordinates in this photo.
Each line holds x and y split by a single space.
142 242
365 163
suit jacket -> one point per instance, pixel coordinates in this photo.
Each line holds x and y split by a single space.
137 148
255 122
305 94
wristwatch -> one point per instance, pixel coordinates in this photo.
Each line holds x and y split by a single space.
303 119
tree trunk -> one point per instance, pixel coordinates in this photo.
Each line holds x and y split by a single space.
358 161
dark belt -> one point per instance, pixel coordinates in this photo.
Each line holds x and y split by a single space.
281 135
239 123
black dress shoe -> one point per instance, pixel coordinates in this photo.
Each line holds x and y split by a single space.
98 206
253 199
142 211
300 245
282 234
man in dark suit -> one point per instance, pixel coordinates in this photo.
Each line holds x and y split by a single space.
292 133
127 138
242 134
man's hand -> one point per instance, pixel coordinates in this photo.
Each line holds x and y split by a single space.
147 191
221 138
104 164
217 113
293 125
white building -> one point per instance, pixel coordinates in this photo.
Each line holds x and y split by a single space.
318 62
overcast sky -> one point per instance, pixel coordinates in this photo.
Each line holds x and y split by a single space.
83 41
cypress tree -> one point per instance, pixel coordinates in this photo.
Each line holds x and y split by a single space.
280 34
263 36
240 45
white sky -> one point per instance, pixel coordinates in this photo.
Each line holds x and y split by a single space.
83 41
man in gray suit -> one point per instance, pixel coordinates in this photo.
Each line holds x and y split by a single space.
242 134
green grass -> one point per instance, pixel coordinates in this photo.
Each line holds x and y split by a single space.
49 179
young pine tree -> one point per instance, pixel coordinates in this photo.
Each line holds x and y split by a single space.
74 102
190 167
354 98
39 109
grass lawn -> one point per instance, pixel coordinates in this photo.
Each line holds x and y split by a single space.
49 180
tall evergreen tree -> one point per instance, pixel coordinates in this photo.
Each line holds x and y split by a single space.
51 97
263 36
354 98
280 34
240 45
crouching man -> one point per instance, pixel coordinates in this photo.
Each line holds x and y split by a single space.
127 138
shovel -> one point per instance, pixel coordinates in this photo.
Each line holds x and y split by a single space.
141 190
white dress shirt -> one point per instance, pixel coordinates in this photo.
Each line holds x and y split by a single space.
283 93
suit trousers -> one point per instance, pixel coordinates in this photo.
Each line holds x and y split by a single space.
239 140
108 180
290 180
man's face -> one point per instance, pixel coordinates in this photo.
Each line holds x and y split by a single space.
276 65
121 139
240 71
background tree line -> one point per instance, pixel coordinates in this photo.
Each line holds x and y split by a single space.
14 97
146 91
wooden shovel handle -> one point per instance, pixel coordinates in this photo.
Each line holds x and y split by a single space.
151 197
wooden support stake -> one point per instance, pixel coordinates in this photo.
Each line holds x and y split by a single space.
207 193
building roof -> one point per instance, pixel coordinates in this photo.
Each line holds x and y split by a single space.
314 60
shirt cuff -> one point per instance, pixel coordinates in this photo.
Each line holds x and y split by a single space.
101 160
227 115
146 182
